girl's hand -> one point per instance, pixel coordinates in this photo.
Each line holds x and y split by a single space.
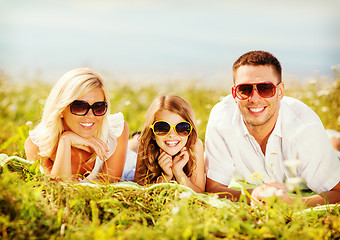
180 160
165 162
87 144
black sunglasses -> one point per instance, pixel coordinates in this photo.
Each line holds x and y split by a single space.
162 128
244 91
81 108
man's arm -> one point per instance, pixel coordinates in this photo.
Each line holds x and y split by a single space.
224 191
329 197
332 196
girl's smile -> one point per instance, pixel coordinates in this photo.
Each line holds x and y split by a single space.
171 143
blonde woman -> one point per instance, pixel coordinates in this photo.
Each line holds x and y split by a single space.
77 137
169 149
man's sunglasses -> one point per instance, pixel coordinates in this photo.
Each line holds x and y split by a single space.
244 91
162 128
81 108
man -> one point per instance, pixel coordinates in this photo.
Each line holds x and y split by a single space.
251 133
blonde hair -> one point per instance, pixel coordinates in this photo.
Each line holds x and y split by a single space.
149 151
70 86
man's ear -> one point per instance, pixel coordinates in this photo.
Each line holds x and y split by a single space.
233 92
281 90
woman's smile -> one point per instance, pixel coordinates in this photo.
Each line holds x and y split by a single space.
87 125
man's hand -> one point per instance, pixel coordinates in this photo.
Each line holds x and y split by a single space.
270 189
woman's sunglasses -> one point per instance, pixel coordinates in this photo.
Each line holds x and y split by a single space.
162 128
244 91
81 108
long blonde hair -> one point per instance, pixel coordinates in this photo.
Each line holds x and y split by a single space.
70 86
149 151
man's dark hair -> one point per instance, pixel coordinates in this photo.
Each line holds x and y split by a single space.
258 58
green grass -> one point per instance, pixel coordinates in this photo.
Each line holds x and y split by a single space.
33 206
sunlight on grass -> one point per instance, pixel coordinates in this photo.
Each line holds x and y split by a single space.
35 206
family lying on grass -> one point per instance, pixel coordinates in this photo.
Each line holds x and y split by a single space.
254 135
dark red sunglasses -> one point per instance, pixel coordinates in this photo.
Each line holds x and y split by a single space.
244 91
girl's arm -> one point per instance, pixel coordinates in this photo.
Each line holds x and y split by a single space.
165 162
196 181
141 173
114 165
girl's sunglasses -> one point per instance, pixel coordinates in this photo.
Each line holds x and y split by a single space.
81 108
162 128
244 91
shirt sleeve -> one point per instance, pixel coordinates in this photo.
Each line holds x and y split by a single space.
219 165
320 164
116 127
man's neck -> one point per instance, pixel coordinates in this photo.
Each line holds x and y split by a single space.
262 133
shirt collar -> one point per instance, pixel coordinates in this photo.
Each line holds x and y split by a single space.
277 129
278 126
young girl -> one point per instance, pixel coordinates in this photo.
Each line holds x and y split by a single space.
168 146
77 137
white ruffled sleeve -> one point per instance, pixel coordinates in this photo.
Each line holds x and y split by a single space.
116 127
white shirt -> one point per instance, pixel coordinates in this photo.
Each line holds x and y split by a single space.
230 151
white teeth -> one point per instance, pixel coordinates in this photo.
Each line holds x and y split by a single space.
86 124
171 143
256 109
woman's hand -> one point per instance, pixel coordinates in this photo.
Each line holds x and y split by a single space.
87 144
165 162
62 166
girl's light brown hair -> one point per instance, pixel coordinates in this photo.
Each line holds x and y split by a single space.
148 151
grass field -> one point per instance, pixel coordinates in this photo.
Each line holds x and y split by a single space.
32 206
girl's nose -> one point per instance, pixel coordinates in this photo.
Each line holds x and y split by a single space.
172 131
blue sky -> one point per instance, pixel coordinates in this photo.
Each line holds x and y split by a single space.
155 39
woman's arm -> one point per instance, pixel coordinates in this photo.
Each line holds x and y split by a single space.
114 165
32 155
196 181
62 166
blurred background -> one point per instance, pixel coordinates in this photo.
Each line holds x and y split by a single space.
152 40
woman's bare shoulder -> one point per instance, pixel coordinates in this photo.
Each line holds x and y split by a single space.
31 150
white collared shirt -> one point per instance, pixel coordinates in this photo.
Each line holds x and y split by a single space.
230 151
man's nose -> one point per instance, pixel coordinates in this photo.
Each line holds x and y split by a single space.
255 96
